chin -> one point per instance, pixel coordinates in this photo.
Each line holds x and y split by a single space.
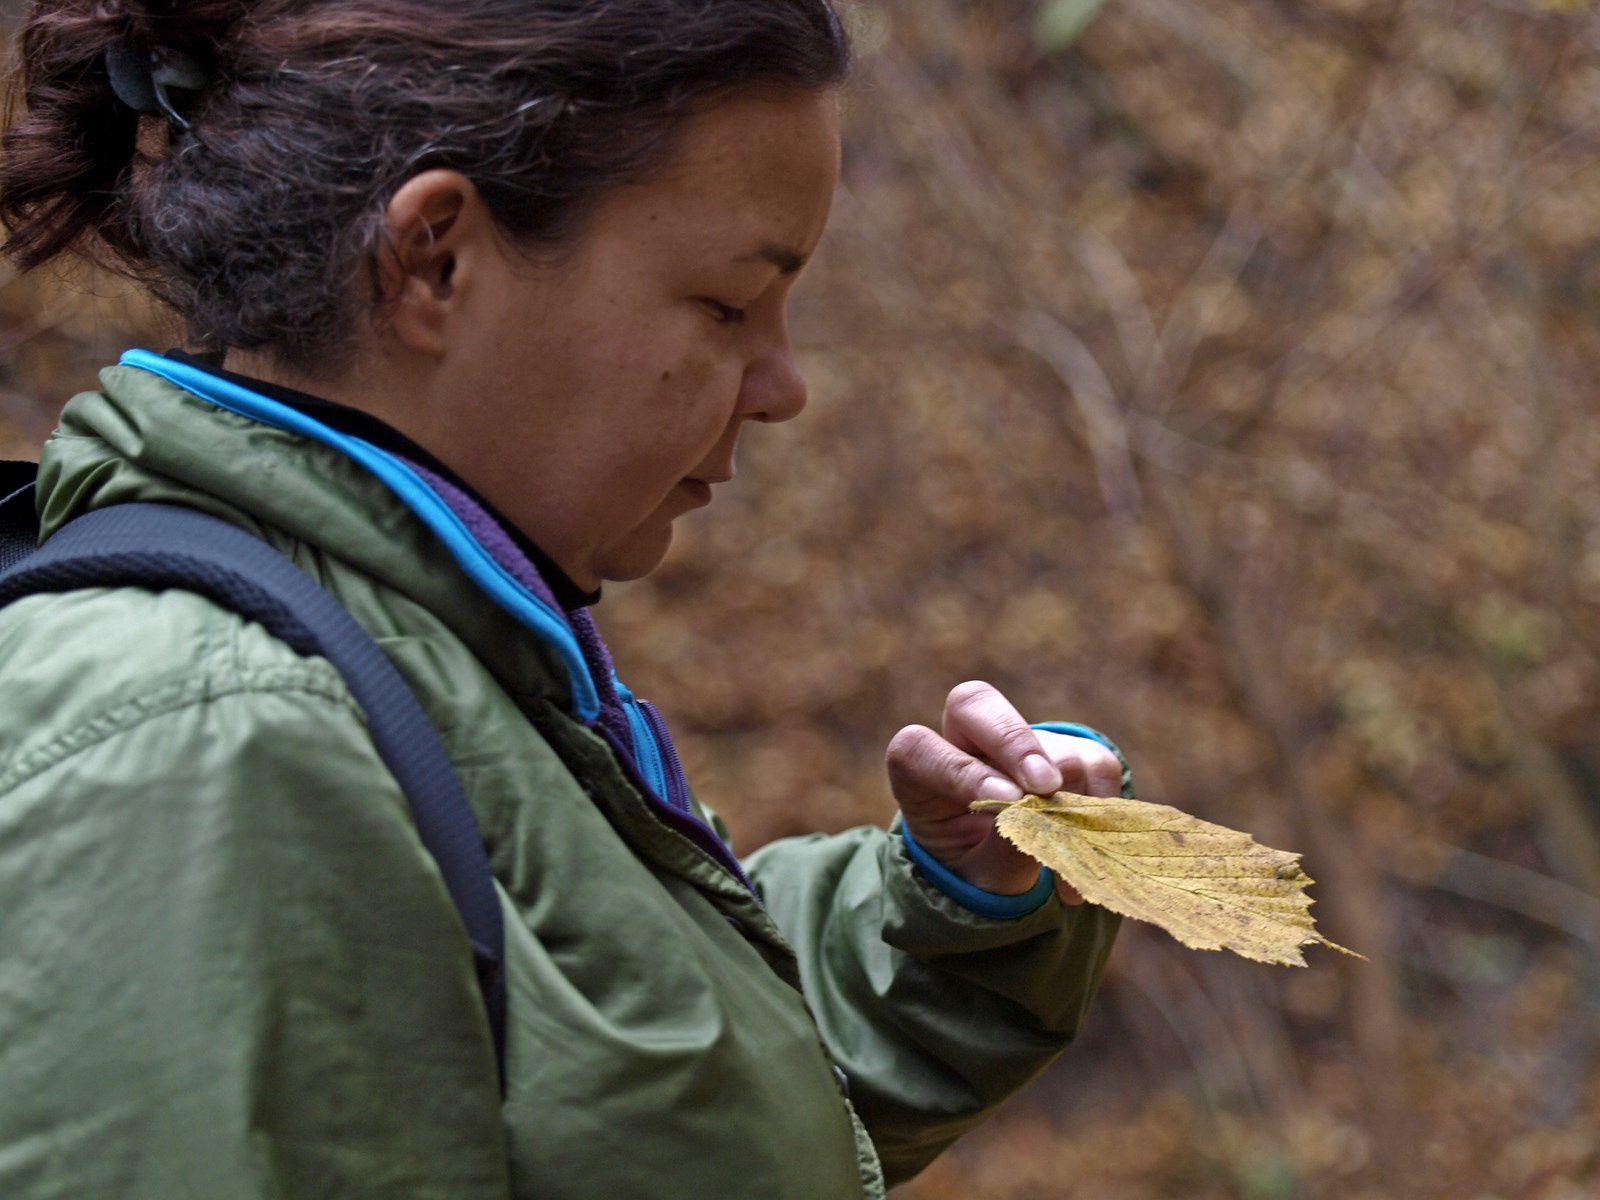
635 556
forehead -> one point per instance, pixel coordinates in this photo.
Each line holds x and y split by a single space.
758 168
769 128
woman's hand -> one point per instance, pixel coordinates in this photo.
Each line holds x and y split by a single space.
986 751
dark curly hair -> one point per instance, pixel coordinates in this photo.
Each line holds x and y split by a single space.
257 225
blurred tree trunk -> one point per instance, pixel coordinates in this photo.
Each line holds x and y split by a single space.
1352 889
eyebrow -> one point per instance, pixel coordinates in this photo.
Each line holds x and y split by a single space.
785 258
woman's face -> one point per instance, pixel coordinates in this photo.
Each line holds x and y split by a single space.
611 385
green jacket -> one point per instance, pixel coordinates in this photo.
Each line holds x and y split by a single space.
229 969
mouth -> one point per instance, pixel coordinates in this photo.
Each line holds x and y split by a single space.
698 489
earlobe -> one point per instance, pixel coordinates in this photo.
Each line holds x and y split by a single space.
418 268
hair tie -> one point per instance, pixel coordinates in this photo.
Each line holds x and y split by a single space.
140 78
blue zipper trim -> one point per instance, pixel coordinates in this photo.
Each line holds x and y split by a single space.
691 826
480 566
994 905
677 784
646 750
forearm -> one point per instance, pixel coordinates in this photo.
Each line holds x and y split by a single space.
935 1013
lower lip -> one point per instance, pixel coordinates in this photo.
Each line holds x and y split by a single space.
697 489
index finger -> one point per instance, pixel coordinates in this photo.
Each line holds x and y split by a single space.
981 721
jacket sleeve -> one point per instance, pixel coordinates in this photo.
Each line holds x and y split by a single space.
228 967
934 1012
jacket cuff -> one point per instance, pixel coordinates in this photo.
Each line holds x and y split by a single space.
993 905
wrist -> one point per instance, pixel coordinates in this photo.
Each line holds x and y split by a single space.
968 846
1039 885
1000 869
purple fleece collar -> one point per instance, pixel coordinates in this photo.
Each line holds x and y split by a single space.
502 547
612 723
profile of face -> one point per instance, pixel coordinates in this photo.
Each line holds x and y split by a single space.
595 395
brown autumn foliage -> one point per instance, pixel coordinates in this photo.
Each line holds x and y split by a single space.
1224 380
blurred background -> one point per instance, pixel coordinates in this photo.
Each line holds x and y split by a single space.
1221 375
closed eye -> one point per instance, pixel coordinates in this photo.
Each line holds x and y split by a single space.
726 314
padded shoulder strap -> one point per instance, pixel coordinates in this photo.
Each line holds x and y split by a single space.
162 546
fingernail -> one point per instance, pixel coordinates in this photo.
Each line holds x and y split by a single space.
997 788
1041 775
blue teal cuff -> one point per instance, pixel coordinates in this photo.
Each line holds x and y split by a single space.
986 904
1072 729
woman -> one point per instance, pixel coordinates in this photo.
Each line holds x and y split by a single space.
532 258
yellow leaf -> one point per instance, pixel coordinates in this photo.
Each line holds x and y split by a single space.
1210 887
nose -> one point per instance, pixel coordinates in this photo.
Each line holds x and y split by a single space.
774 389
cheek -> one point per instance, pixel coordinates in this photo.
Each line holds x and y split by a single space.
684 380
692 402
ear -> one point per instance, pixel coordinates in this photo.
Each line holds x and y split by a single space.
434 224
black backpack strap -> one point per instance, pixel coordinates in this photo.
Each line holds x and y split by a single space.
161 546
19 525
